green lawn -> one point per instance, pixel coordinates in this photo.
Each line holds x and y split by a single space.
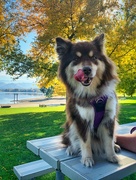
17 125
127 110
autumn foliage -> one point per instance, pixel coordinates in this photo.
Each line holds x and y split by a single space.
73 20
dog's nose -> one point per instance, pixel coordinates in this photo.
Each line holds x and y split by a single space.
87 70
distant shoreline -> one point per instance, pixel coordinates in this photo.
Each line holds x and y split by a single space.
36 102
20 90
10 97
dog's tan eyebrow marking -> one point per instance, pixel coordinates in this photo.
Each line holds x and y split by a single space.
78 54
91 53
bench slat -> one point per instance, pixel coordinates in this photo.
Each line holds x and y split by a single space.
102 169
37 144
32 169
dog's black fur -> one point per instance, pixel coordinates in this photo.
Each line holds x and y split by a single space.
99 79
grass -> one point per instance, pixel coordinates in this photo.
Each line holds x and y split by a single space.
17 125
127 110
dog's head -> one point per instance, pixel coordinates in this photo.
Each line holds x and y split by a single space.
84 62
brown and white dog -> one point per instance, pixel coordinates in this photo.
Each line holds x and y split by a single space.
90 78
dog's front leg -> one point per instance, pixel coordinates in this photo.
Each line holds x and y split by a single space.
85 143
86 150
107 129
107 136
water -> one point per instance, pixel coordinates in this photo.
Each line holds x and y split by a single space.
8 97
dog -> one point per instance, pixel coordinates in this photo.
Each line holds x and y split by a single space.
90 78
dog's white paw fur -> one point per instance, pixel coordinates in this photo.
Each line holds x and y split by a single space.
87 161
72 151
69 151
113 159
117 148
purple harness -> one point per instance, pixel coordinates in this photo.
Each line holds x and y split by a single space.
99 109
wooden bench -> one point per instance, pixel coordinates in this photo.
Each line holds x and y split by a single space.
53 152
42 105
5 106
32 170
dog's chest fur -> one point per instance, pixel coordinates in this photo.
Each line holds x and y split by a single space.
94 112
86 113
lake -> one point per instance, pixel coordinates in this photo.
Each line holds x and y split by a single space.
8 97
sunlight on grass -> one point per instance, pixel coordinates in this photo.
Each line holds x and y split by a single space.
133 118
17 125
4 111
40 134
127 100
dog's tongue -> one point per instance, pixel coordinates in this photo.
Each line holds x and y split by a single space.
79 76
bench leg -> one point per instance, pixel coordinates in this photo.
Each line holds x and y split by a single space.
59 175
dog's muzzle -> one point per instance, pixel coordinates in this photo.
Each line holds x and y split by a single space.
84 76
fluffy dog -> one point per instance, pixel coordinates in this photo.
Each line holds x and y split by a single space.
91 107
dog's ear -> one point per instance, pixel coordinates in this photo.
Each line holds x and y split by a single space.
99 42
62 46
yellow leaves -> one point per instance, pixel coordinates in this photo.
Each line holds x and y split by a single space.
71 19
8 31
59 88
1 16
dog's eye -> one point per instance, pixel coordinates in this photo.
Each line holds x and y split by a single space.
75 58
94 58
75 61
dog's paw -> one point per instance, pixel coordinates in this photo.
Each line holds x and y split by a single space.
117 148
88 161
113 159
70 151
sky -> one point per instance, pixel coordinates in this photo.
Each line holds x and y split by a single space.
25 46
4 78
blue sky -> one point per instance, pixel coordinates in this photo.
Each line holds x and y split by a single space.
25 46
4 78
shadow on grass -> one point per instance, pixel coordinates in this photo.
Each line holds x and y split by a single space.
32 124
16 129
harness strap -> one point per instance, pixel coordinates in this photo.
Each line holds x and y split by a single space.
99 109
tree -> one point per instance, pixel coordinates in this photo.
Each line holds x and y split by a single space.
16 63
75 20
47 91
10 31
122 45
71 19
